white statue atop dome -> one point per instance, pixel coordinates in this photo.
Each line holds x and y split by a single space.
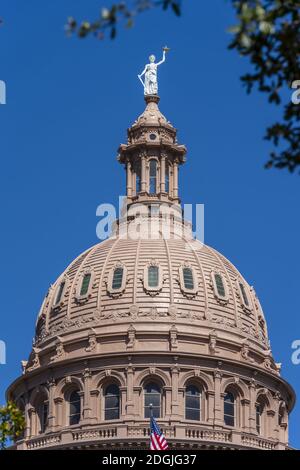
150 71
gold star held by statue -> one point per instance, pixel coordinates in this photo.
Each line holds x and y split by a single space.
166 49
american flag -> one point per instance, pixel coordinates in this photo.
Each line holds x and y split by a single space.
157 438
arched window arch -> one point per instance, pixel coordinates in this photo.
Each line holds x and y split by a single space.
193 403
152 400
152 176
74 407
229 409
112 402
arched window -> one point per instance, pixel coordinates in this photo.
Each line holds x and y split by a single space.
153 177
59 292
188 278
117 278
42 412
167 178
152 396
85 284
258 413
244 295
229 409
153 276
220 285
74 408
112 402
192 403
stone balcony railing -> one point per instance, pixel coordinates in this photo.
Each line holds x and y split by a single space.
122 433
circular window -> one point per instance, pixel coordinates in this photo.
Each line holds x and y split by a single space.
152 136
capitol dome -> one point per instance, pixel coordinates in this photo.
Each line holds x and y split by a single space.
152 316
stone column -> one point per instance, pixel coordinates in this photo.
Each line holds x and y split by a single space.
96 406
60 419
129 179
143 174
218 408
130 399
168 402
32 419
252 414
86 395
174 403
270 424
27 418
210 406
245 410
175 179
163 173
51 409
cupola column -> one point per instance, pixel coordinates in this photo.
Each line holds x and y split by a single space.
129 179
175 180
163 173
143 173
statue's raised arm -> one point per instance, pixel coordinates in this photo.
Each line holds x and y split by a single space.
150 71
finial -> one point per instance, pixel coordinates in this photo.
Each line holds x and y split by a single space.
150 71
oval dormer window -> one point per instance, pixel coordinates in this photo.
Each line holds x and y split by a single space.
117 278
59 292
188 279
116 282
153 278
244 295
85 284
220 285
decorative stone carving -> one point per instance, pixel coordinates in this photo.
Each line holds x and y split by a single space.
212 346
131 337
173 337
23 366
172 311
59 351
134 311
245 352
92 341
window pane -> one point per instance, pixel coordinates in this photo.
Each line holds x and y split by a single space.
192 413
112 402
152 395
75 408
112 413
188 278
229 420
243 291
85 284
117 278
220 285
153 276
152 182
229 409
192 403
44 416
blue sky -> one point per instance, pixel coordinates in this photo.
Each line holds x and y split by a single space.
69 103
